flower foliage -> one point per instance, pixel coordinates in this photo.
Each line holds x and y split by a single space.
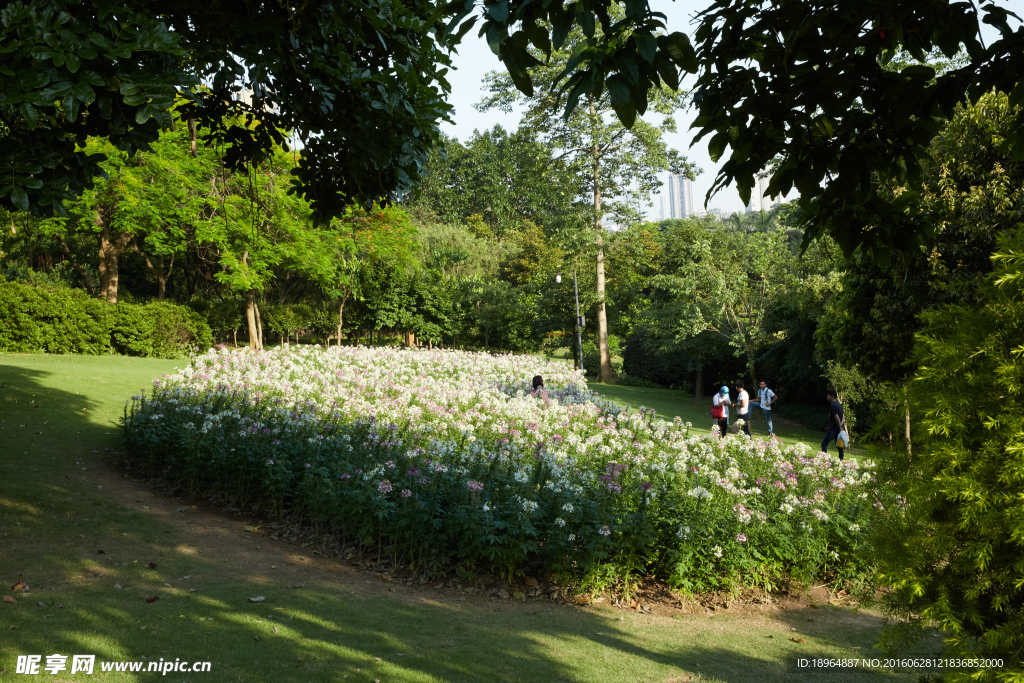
447 458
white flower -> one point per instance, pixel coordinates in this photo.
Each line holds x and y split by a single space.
568 507
718 551
487 507
559 522
699 492
855 527
684 532
572 537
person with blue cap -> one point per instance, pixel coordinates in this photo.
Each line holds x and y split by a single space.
720 410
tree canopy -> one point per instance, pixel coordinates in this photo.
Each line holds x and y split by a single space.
360 83
801 86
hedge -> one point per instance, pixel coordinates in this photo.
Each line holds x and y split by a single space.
36 319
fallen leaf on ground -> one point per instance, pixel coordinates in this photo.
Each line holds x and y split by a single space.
258 598
168 585
117 586
153 599
798 640
8 598
152 565
20 586
275 629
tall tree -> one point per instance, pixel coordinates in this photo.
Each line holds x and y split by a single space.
615 164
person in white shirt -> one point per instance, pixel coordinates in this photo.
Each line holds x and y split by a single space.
743 407
722 399
765 398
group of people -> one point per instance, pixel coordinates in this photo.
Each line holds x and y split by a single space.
720 404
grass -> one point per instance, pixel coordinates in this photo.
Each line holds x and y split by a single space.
63 501
669 403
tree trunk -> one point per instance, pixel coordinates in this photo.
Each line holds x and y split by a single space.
698 391
750 366
259 324
250 317
109 254
906 426
341 312
607 372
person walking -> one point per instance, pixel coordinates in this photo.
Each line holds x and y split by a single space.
836 422
720 410
765 399
743 407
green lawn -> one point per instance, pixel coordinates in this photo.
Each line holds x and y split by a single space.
82 535
669 403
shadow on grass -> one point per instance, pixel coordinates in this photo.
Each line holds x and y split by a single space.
55 519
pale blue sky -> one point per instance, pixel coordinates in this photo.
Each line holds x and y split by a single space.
475 59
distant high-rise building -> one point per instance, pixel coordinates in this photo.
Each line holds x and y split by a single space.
680 197
759 201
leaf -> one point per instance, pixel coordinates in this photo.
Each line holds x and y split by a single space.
646 45
152 599
8 598
258 598
152 565
117 586
798 640
19 198
498 11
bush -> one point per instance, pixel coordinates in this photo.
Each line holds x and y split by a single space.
953 552
592 355
445 458
63 320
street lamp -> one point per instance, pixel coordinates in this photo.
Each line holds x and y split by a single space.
580 320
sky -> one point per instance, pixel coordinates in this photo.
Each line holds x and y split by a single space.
475 60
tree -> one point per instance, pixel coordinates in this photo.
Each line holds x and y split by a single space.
615 164
361 84
727 283
507 179
972 191
800 85
952 551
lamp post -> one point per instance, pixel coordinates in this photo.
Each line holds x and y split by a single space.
580 320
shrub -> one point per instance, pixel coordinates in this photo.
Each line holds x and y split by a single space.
63 320
445 458
953 552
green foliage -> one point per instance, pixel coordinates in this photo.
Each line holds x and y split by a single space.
37 319
361 84
972 191
953 551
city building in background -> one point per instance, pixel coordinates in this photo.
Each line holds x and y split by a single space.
680 197
759 201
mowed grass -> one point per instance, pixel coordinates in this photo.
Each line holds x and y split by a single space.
669 403
63 501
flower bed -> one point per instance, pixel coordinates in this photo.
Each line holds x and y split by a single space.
444 458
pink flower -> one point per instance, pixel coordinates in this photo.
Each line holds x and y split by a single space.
742 538
345 476
406 493
475 485
385 487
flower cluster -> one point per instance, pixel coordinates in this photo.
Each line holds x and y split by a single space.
450 455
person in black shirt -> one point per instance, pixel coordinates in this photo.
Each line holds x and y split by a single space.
836 421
